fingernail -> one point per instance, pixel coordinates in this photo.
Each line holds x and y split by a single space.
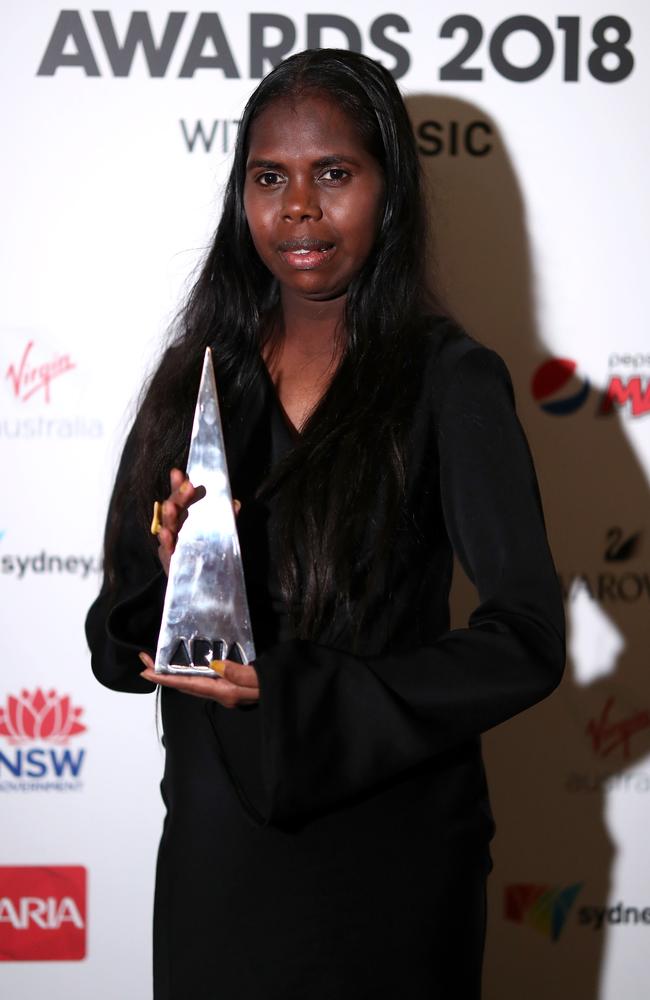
218 666
184 487
155 520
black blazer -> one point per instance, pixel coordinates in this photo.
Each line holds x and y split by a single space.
378 746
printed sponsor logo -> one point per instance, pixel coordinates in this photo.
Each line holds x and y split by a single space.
616 737
30 720
557 376
43 563
29 376
542 907
42 913
560 390
608 733
34 377
599 917
546 909
54 429
613 586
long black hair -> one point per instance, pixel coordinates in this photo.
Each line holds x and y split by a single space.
351 450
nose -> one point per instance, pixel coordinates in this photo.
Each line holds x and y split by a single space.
301 201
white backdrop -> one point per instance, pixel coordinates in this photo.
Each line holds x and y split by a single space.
110 183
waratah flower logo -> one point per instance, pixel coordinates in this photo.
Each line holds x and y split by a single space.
40 716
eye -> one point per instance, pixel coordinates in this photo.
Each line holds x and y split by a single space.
269 178
335 175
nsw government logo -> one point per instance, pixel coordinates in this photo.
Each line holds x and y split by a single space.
42 914
37 727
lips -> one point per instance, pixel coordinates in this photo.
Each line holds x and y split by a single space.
306 253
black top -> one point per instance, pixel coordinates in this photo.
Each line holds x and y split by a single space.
317 844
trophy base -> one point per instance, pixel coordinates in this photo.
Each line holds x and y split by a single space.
194 656
191 671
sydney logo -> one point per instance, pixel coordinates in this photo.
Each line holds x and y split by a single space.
27 722
540 906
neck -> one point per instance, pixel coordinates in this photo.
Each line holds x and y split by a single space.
312 328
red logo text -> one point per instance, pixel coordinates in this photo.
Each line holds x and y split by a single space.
27 377
42 914
606 734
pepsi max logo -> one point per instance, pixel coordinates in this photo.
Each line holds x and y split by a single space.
556 388
560 391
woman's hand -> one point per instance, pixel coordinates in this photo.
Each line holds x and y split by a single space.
174 512
236 684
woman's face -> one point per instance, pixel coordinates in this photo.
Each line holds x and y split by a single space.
313 196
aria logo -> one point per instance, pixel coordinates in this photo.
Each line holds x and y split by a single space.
556 390
40 717
540 906
42 914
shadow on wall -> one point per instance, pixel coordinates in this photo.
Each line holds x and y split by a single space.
553 770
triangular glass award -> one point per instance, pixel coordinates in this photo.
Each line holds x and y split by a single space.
205 615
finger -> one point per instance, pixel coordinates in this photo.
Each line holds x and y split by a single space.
169 516
166 543
190 494
236 506
185 493
241 674
214 688
176 479
146 659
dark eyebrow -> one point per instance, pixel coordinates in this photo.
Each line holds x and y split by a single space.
264 164
331 161
323 161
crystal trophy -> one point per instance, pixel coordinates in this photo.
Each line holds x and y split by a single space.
205 615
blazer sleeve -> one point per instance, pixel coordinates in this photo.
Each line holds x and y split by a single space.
334 725
125 617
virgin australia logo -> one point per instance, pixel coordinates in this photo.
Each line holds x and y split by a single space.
28 376
30 720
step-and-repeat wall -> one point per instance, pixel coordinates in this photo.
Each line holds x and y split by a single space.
117 130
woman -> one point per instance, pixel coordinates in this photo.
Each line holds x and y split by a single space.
328 821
